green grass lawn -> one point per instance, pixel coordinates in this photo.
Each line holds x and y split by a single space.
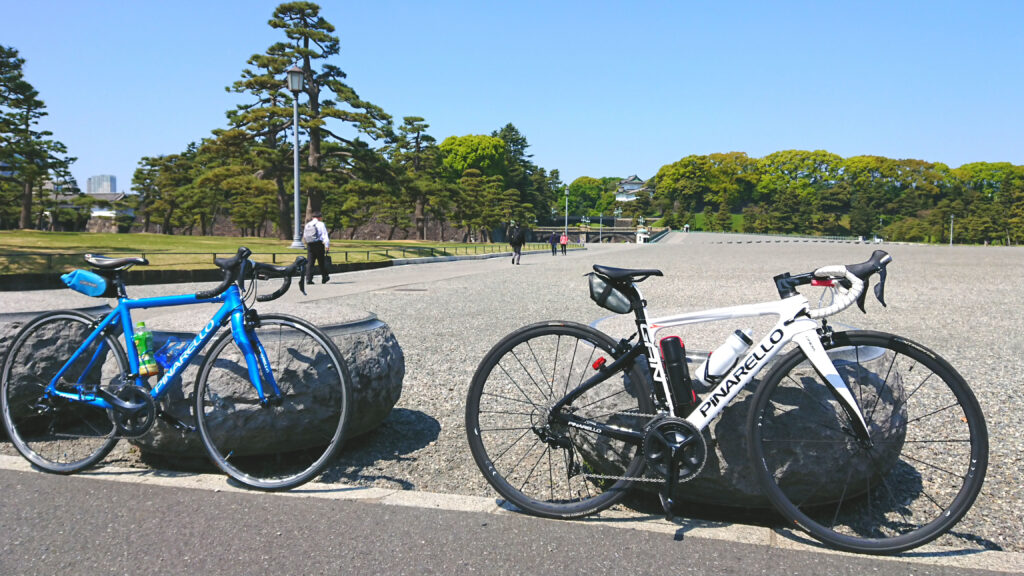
24 251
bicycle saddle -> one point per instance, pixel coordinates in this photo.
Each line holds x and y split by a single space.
621 274
104 263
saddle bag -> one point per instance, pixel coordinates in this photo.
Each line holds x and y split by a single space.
607 295
90 283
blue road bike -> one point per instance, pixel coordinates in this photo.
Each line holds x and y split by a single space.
271 397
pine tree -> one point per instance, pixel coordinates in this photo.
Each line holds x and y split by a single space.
28 155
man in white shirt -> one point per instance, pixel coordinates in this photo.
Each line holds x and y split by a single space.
318 244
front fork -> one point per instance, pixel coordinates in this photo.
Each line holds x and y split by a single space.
243 329
810 342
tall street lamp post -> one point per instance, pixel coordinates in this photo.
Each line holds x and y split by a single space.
295 86
566 210
600 227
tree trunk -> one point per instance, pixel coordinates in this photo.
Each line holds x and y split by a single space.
420 219
25 221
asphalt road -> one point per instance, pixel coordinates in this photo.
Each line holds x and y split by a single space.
81 525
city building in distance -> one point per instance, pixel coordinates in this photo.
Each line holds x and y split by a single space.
102 184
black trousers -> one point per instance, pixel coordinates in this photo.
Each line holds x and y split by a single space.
315 253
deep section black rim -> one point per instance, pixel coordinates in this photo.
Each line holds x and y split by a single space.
54 434
918 477
548 469
275 447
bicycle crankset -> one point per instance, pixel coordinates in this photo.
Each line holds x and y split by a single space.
675 449
136 412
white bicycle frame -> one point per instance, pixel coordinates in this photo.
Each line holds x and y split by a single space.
794 325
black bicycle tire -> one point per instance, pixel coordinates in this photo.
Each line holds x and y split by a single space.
337 438
14 352
513 495
973 468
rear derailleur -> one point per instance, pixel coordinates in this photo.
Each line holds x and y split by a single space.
556 440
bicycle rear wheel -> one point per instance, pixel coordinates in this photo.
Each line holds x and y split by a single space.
56 434
917 477
545 468
274 447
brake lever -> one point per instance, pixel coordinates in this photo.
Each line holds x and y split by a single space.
880 287
302 279
879 290
862 297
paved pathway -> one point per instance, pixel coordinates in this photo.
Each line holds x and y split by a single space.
125 521
446 315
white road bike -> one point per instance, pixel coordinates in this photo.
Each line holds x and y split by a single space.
562 419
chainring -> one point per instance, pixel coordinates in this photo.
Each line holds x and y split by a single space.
667 439
137 423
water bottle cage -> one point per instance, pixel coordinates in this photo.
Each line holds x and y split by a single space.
712 380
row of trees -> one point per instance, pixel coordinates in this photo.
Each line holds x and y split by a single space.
359 167
817 192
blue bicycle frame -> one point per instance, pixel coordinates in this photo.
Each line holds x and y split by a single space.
233 310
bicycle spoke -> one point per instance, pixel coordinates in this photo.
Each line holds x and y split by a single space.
56 434
908 483
288 439
533 459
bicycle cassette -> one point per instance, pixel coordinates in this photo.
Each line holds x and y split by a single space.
675 442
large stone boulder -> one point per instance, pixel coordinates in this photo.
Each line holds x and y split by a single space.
728 476
373 356
375 362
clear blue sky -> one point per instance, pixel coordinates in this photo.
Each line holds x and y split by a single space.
597 88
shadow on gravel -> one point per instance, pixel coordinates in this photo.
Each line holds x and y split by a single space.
707 515
689 515
402 433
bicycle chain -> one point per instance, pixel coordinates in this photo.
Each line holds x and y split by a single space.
630 478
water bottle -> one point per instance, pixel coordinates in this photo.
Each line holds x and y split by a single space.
721 361
678 373
144 346
169 352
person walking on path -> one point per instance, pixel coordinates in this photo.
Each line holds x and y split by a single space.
564 241
516 238
318 244
553 240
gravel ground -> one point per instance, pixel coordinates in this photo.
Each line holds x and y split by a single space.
963 302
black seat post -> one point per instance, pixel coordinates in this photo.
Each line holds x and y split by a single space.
119 279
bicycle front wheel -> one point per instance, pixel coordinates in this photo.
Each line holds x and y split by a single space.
912 481
274 446
56 434
543 467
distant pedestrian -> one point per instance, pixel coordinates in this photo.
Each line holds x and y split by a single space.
553 240
318 244
564 241
516 238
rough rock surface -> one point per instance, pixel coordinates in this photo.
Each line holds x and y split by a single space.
373 356
810 470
